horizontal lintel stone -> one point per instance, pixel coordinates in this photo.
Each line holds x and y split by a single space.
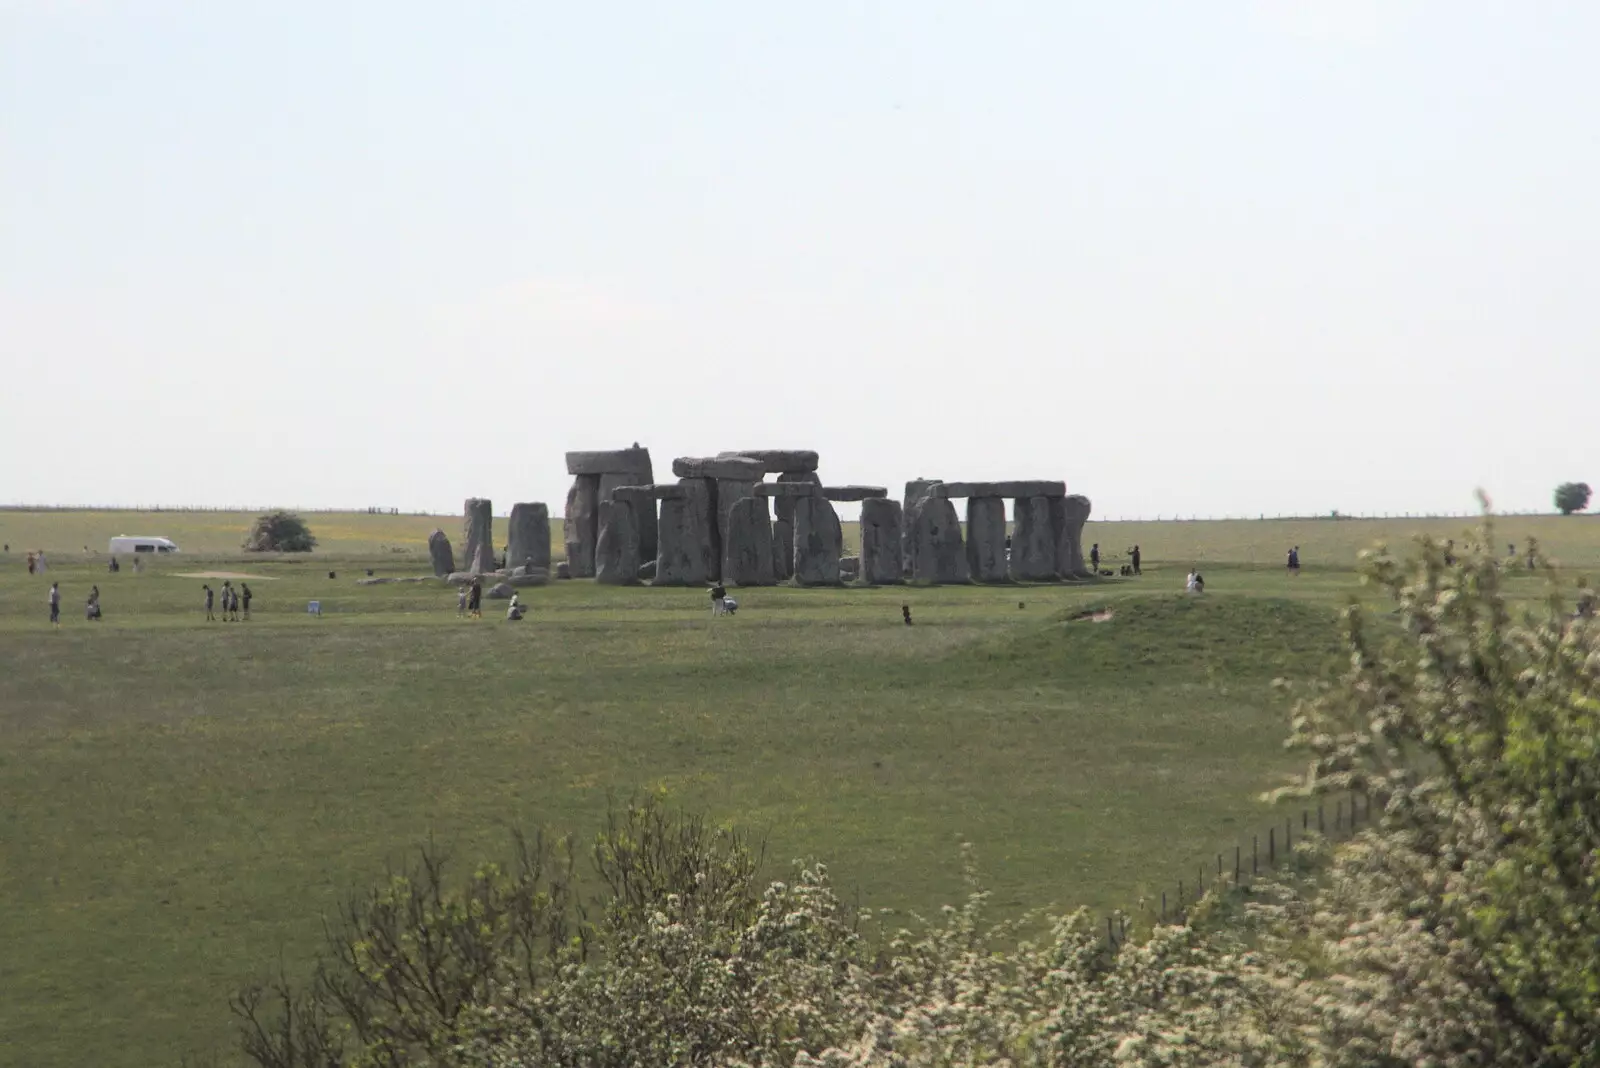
853 493
736 468
1036 488
611 462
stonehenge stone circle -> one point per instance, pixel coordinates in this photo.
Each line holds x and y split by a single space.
881 550
1000 489
986 539
685 549
1070 518
1033 541
441 554
818 542
935 542
528 535
478 535
616 554
747 551
853 493
581 525
779 461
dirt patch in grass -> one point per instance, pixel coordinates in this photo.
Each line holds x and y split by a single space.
1093 615
221 575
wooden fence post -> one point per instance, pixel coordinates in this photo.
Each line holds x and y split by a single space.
1272 846
1236 865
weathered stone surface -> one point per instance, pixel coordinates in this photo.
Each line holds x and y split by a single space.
916 490
775 461
1068 517
853 493
687 551
1033 540
747 552
535 578
935 536
478 531
881 550
818 542
563 570
528 535
727 491
460 578
644 515
616 552
737 468
783 549
986 539
647 571
581 525
1001 489
530 572
440 552
634 495
500 591
786 489
611 462
849 566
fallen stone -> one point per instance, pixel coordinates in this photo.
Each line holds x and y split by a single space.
1069 518
986 539
563 571
1001 489
737 468
616 552
881 550
747 551
1033 541
538 578
686 553
647 571
528 535
776 461
500 591
441 554
478 524
936 551
818 542
386 580
581 525
853 493
611 462
461 578
849 565
786 489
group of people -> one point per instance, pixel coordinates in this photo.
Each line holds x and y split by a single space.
469 599
91 607
36 563
232 599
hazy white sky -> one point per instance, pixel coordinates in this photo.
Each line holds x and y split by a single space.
1192 257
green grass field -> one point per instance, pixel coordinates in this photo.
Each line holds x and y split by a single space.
183 800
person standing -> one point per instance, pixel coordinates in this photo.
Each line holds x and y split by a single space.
461 601
30 563
1294 560
1136 557
1094 557
210 599
55 603
475 601
91 608
227 598
41 561
247 595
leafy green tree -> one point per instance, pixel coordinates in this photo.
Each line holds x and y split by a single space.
1463 928
279 532
1572 497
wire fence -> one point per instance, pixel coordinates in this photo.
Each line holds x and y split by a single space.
179 508
1265 851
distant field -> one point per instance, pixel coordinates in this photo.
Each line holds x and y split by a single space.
183 800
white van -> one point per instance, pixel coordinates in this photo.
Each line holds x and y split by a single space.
127 543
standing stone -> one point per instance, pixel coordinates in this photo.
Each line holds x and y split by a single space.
916 490
727 493
783 523
645 515
439 551
581 525
685 553
747 552
986 539
881 551
616 553
1069 516
1033 541
528 535
818 542
935 541
478 531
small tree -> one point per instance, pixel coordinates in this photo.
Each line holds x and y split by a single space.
280 532
1572 497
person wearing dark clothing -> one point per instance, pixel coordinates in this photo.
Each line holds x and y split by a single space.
905 613
1294 560
245 589
114 567
475 600
211 596
1094 557
55 603
91 607
1135 555
719 599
